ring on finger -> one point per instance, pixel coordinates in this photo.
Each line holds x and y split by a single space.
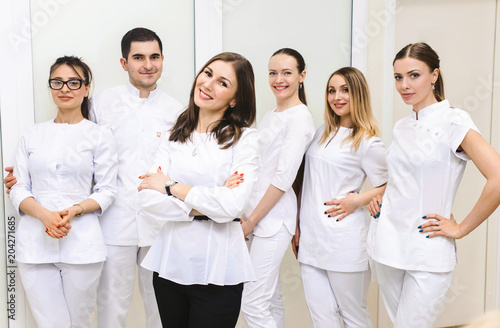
437 223
337 207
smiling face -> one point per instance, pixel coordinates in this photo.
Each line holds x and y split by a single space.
339 99
284 77
144 64
414 82
216 87
66 99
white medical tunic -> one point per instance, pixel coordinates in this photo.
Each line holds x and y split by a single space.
189 251
425 170
55 164
138 125
332 171
284 138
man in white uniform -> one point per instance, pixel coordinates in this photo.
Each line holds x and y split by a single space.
138 115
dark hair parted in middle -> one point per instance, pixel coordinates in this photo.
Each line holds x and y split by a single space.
301 66
228 130
423 52
74 63
138 34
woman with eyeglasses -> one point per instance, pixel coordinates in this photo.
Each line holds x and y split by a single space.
60 250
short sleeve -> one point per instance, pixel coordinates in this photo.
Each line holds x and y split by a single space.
299 133
461 123
374 163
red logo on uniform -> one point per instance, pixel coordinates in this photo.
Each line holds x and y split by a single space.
158 134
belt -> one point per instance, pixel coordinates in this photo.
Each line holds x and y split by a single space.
206 218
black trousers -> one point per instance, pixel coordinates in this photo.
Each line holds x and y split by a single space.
197 306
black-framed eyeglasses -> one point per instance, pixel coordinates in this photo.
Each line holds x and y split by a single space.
73 84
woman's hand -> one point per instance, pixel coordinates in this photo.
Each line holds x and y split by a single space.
247 227
441 226
375 206
234 180
10 179
55 225
154 181
343 206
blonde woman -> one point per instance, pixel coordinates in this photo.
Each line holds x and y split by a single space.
333 222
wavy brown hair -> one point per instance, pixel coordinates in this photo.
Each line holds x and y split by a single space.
228 130
423 52
363 122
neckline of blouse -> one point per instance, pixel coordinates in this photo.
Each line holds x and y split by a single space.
68 124
288 110
429 110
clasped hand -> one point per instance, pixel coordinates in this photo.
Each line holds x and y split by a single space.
57 223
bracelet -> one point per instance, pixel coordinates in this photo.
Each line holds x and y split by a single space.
80 207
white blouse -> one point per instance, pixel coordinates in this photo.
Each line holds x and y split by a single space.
425 170
284 138
188 251
55 164
138 124
332 171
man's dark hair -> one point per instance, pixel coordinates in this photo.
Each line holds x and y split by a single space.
139 34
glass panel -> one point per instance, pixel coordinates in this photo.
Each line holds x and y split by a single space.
319 30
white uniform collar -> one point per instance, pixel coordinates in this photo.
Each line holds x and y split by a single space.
137 93
427 111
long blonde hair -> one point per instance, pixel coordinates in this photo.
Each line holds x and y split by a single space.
364 125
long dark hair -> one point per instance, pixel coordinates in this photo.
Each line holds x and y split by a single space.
301 66
228 130
423 52
75 62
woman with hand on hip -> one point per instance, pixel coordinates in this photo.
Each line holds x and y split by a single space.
285 132
412 237
60 249
333 258
200 260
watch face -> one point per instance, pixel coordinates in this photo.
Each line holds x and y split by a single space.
170 183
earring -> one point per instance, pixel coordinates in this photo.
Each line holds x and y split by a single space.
231 106
300 85
433 88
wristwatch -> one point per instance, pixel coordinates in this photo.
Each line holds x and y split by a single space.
169 185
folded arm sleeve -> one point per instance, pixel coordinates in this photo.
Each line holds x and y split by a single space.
159 206
222 204
105 171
